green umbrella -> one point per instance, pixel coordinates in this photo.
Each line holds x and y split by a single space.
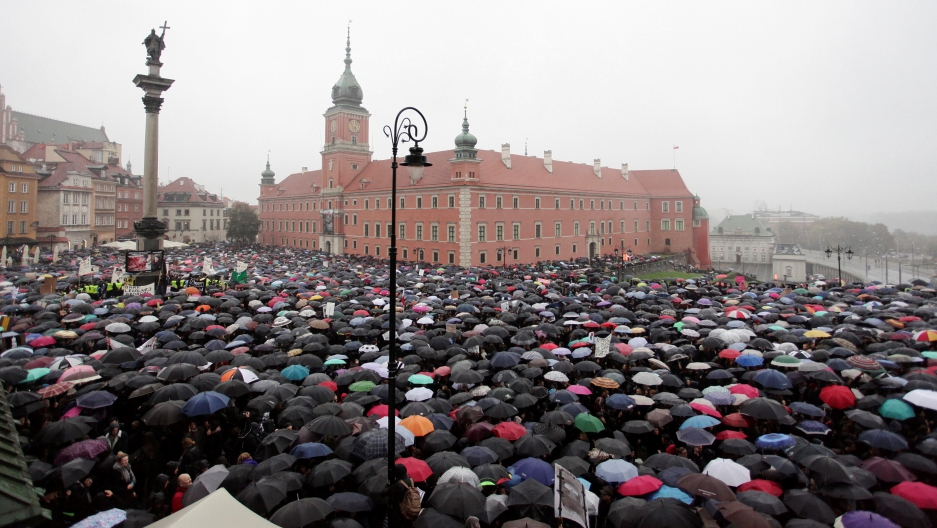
420 379
361 386
588 423
896 410
786 360
929 355
335 362
34 374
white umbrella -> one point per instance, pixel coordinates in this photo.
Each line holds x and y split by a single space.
922 398
459 474
642 401
554 375
647 378
419 394
732 473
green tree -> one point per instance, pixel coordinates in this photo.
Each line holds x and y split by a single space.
243 224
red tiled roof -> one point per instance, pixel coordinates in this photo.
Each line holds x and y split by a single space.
298 184
664 182
187 185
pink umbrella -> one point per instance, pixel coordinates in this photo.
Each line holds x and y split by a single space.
43 341
73 412
79 374
579 389
747 390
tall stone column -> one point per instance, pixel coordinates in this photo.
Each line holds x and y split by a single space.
150 230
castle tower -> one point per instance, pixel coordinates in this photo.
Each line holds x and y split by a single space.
465 165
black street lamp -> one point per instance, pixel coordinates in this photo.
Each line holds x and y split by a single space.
618 277
403 131
839 258
503 252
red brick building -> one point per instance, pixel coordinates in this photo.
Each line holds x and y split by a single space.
471 206
129 201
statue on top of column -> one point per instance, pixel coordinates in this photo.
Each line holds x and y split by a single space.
155 44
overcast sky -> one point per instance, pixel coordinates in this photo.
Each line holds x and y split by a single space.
828 107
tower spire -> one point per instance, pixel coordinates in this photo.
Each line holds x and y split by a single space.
348 49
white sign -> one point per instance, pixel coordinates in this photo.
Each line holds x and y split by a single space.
602 345
206 266
569 497
148 346
84 267
118 274
505 306
139 290
329 309
421 273
241 266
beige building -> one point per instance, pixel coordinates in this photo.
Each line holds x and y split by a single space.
19 181
191 212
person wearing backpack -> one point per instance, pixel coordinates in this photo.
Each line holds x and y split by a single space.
404 494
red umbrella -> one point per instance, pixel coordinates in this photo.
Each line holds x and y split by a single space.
742 388
55 390
887 470
39 362
705 409
417 469
478 432
922 495
728 435
738 420
838 397
43 341
765 486
729 353
639 486
510 431
381 410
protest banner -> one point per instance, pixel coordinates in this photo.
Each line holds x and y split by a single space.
329 309
48 286
84 267
569 497
118 274
505 306
148 346
602 345
139 290
206 266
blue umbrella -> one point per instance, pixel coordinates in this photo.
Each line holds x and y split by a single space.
505 359
700 422
813 427
616 471
441 421
774 442
883 439
311 450
295 372
695 437
772 379
204 403
749 360
671 475
534 468
667 492
563 396
620 402
806 409
215 344
574 409
96 400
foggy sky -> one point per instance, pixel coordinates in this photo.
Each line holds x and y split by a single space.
821 106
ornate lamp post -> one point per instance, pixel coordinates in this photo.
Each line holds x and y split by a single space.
617 259
404 130
839 259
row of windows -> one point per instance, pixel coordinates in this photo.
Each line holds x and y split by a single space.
289 206
103 220
482 204
126 194
103 203
677 206
16 168
74 219
677 224
123 224
185 212
284 241
10 225
103 187
24 187
126 208
11 206
289 225
75 198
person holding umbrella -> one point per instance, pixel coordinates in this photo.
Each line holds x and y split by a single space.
124 479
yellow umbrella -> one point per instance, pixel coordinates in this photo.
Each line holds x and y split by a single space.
816 334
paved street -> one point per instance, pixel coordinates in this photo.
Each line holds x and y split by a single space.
875 273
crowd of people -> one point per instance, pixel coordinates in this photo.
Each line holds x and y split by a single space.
674 403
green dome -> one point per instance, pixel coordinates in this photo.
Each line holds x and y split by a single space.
267 173
347 91
466 139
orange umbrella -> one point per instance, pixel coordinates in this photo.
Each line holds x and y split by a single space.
418 425
203 308
191 290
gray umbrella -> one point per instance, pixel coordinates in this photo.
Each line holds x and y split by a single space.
205 484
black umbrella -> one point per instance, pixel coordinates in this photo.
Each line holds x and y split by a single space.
166 413
530 493
431 518
737 446
263 495
438 441
763 409
350 502
278 441
328 473
623 510
809 506
574 465
442 461
533 446
666 513
329 425
762 502
457 499
239 475
62 431
900 510
273 465
492 472
74 470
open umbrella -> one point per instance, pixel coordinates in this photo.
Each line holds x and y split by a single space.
204 484
457 499
299 513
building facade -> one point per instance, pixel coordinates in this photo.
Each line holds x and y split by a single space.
473 207
191 212
129 201
20 183
744 244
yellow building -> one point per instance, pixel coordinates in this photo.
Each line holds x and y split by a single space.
20 185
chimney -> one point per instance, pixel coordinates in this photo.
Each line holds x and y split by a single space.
624 172
597 167
305 169
548 160
506 154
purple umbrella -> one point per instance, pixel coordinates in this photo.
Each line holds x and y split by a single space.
774 442
84 449
864 519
